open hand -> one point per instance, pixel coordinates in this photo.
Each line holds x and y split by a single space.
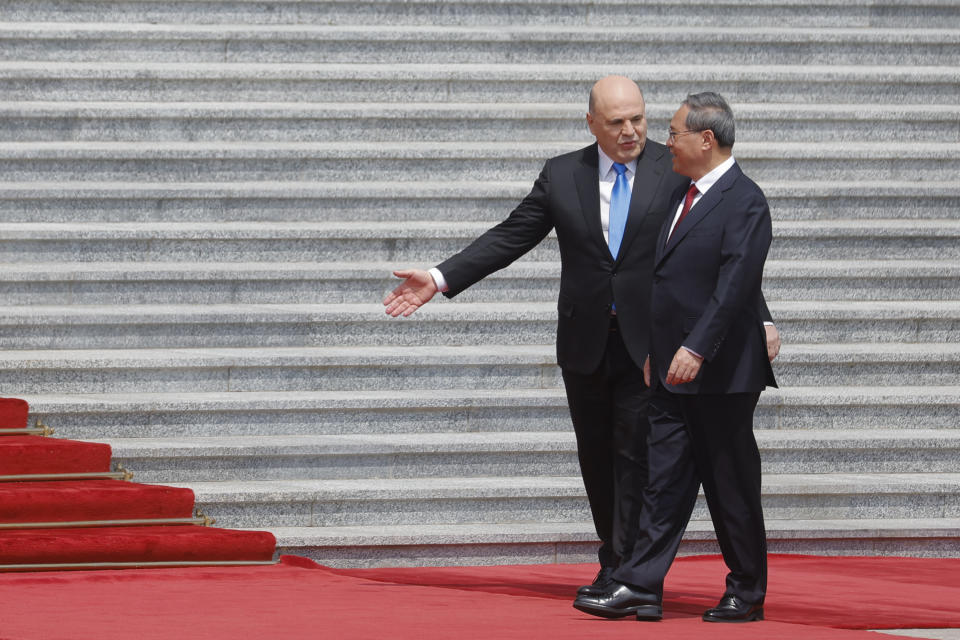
416 290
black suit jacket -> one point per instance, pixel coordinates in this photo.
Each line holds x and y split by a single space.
706 289
566 197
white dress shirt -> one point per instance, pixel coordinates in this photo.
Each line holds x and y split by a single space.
608 177
703 185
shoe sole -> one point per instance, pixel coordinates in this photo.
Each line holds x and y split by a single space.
605 612
646 612
753 617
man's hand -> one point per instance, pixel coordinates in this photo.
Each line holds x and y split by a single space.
646 371
773 341
684 368
417 289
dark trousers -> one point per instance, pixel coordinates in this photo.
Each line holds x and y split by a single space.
609 412
708 439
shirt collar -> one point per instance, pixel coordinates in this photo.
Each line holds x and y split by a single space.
711 178
606 164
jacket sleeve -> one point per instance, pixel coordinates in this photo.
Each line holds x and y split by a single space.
499 246
762 310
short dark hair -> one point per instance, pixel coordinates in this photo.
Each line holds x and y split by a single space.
708 110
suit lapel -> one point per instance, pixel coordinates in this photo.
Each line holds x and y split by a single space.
645 182
586 178
700 210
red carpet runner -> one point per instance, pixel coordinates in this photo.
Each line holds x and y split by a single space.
299 600
28 506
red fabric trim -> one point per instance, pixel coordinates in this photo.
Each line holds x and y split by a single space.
133 544
91 500
37 454
13 413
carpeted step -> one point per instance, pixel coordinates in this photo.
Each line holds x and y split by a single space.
188 543
13 413
36 454
91 500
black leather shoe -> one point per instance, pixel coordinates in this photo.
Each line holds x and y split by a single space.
733 609
603 580
618 601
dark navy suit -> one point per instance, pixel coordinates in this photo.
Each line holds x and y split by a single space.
706 297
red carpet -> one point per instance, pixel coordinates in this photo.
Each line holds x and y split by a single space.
299 600
73 501
851 593
179 543
31 454
31 503
13 413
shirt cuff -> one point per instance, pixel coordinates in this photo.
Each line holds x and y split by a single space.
767 323
692 351
439 280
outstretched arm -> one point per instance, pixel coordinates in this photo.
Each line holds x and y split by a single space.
416 290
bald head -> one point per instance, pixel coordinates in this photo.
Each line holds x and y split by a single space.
611 88
617 117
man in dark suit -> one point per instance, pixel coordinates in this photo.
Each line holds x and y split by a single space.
709 363
606 202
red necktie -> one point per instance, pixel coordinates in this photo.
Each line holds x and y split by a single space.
687 203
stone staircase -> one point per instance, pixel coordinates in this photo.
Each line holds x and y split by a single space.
201 203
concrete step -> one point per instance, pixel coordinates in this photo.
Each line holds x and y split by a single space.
418 122
439 161
419 243
550 83
500 44
458 500
364 330
719 13
426 368
152 414
545 453
574 542
419 201
115 283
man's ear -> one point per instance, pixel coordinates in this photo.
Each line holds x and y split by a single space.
709 140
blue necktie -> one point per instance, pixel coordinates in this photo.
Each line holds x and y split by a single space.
619 205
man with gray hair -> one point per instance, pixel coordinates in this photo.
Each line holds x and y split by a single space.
605 203
709 363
